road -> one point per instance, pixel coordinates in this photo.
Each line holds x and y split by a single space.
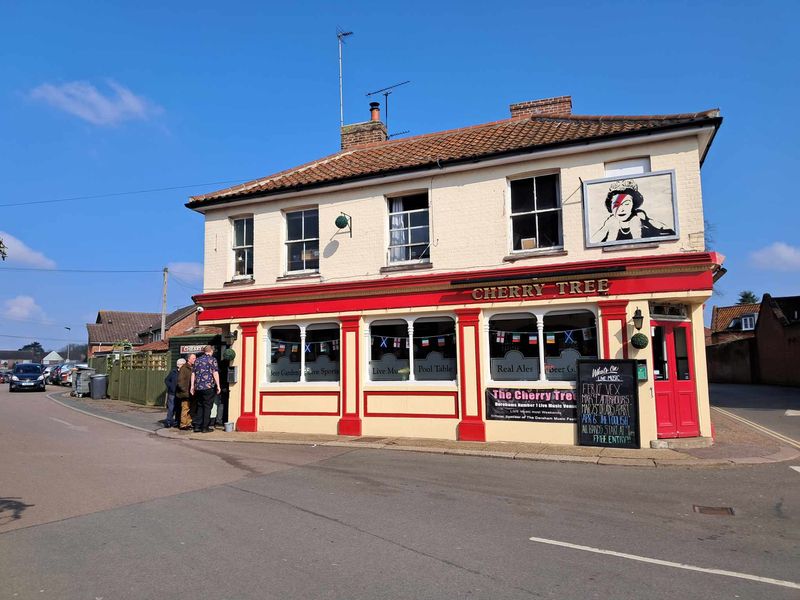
93 510
774 407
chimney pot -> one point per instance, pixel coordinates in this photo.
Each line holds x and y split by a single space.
374 111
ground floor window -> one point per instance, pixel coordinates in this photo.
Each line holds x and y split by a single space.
514 347
303 353
568 336
420 350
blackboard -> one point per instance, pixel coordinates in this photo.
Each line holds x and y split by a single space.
608 403
539 405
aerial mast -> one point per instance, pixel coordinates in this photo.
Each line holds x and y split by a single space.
340 35
386 91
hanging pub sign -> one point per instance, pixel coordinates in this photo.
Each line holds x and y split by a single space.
540 405
608 403
630 210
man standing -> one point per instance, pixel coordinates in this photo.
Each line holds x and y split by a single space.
183 391
171 382
205 384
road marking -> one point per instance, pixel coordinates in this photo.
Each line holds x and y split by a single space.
796 469
761 428
96 416
791 413
666 563
70 425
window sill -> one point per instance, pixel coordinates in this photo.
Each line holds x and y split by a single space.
645 246
535 384
406 267
534 254
296 276
239 281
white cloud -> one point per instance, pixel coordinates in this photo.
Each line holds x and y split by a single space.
23 308
190 272
82 99
20 253
777 257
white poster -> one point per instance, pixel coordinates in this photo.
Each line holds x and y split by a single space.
630 209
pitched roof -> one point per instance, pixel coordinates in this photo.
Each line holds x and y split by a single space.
516 135
723 315
786 308
170 320
113 326
17 355
157 346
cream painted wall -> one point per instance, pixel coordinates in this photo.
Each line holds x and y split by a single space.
461 204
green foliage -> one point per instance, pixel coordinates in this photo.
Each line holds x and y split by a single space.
747 297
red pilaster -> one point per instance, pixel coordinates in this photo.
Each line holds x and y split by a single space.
471 427
614 310
350 423
248 421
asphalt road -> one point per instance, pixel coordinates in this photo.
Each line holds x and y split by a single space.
93 510
774 407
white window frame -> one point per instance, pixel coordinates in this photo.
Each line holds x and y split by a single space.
511 215
234 247
628 166
748 319
540 315
445 384
303 239
389 230
304 326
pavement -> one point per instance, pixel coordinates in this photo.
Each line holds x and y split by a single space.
736 442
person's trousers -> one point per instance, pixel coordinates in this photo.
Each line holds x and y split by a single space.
202 415
169 421
186 415
220 418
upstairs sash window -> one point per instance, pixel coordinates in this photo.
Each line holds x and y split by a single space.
409 232
243 247
535 213
302 240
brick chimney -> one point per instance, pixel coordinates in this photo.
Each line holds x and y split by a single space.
547 107
365 133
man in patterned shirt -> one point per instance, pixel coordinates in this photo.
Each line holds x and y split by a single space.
205 387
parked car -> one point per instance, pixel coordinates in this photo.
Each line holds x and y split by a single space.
55 374
67 377
26 376
5 376
46 372
64 373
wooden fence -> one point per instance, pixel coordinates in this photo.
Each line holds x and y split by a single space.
135 378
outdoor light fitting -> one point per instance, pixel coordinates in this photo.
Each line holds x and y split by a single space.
638 319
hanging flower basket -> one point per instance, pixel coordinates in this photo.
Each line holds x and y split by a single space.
228 354
639 341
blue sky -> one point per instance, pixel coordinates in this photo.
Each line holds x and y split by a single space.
111 97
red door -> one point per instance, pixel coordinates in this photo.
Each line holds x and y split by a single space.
673 372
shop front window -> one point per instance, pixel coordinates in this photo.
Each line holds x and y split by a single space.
284 356
389 351
514 348
435 349
322 352
567 337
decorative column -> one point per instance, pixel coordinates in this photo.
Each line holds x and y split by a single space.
411 374
471 427
613 320
349 359
302 353
248 380
541 343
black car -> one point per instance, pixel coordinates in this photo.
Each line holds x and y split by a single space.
26 376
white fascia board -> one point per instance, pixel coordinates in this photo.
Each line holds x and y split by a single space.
703 133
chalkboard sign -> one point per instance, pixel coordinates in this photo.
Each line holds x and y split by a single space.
608 403
540 405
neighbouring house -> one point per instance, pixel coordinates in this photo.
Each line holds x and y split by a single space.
735 322
113 327
8 358
175 323
778 340
404 287
52 358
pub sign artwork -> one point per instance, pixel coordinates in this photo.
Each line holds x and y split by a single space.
632 209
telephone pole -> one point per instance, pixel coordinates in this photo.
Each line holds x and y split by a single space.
164 304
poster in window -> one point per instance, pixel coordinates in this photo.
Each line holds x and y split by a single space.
630 209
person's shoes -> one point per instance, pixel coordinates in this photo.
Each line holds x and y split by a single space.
187 428
208 430
196 430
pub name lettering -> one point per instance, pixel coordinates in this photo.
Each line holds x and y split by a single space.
560 288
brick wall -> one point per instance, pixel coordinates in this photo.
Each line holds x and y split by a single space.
561 105
363 133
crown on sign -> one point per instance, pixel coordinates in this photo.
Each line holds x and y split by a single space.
627 184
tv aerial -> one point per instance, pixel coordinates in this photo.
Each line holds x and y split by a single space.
387 91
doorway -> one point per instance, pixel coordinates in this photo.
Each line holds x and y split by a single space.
673 372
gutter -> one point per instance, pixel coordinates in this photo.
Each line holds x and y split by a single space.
464 164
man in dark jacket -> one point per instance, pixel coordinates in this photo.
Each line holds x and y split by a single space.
183 393
171 382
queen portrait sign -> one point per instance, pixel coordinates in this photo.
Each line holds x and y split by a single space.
630 210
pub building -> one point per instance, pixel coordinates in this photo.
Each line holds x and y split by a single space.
446 285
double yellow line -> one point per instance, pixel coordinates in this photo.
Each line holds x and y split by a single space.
778 436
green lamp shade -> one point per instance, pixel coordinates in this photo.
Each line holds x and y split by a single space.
341 222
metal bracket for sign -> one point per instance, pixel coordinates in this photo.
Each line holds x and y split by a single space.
594 429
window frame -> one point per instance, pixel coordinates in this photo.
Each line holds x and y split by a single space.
304 326
389 214
235 248
304 240
749 318
559 209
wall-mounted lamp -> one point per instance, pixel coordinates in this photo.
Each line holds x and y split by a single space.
638 319
231 337
344 220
